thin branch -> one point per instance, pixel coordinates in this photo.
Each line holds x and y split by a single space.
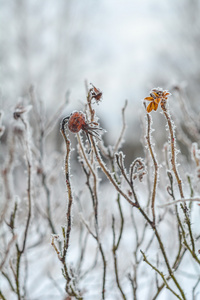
7 251
114 250
180 201
155 163
174 168
117 145
161 274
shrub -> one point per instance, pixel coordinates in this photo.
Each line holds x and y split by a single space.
128 236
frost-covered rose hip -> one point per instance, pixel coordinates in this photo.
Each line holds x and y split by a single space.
77 121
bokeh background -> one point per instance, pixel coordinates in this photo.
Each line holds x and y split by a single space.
124 48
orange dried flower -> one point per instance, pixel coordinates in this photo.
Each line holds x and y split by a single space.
156 96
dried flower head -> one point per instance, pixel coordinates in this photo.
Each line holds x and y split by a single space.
77 121
156 96
95 93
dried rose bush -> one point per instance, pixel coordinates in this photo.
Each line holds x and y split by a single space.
100 229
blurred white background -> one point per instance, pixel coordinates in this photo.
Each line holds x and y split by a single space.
124 48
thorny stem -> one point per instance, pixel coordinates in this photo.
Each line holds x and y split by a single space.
92 114
93 174
181 234
116 185
148 165
152 224
69 191
93 192
102 165
107 173
179 224
148 138
174 168
66 232
172 144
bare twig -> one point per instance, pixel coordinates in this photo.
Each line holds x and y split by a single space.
118 143
155 182
161 274
180 201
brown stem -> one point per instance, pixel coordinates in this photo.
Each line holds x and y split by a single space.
174 168
107 173
148 138
114 250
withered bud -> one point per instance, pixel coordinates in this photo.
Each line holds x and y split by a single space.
96 93
138 169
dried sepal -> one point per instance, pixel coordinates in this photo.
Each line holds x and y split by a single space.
95 93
